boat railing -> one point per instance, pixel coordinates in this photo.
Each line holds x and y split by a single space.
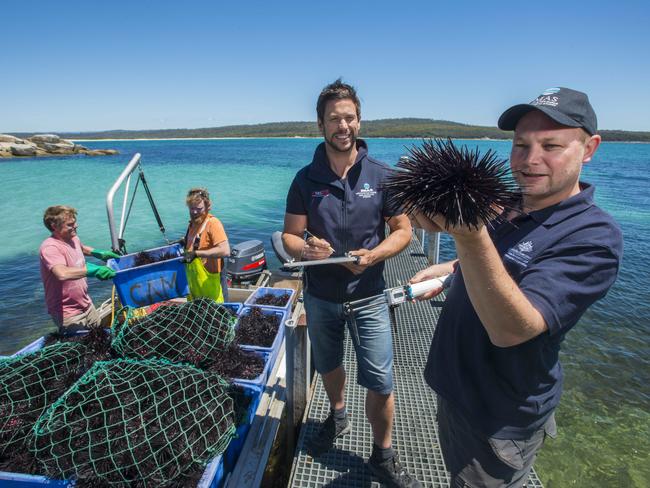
430 242
126 174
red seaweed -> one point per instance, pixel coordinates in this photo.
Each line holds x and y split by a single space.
257 328
237 363
273 300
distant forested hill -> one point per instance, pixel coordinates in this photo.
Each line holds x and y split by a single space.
408 127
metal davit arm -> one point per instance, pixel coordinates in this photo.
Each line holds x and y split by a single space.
125 175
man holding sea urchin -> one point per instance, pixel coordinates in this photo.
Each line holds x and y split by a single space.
338 197
519 287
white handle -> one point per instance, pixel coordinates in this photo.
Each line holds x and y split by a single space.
418 289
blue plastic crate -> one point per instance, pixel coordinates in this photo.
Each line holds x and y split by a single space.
32 347
260 381
144 285
19 480
235 307
237 443
39 343
275 346
263 290
212 477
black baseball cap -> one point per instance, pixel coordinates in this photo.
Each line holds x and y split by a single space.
565 106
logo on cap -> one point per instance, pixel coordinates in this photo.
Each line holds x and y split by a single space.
565 106
550 91
548 100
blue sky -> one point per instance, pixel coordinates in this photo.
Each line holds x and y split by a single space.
76 66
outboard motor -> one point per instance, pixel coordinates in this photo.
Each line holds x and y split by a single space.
246 262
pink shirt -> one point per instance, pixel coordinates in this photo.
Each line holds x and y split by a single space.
64 298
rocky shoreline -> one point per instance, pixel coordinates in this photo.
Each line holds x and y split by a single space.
45 145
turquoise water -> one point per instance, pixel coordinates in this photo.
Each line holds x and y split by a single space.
604 416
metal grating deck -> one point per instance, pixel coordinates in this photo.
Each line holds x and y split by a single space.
415 432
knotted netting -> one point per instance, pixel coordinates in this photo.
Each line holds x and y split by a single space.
143 423
190 332
29 384
97 343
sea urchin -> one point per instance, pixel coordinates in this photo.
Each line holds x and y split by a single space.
463 186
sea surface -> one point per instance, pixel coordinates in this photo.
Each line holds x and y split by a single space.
604 415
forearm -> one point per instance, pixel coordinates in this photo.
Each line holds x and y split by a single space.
392 245
506 314
440 269
221 250
293 244
65 273
396 241
87 250
430 273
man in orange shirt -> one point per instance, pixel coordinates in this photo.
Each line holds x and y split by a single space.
205 239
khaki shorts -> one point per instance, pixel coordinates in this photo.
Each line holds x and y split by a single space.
86 320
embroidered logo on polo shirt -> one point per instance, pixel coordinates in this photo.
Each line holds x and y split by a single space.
520 253
320 194
526 246
366 191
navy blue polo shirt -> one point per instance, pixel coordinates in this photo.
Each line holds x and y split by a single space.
564 258
348 213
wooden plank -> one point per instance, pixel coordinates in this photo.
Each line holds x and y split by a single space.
239 294
298 355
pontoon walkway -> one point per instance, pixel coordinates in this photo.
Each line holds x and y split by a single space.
415 430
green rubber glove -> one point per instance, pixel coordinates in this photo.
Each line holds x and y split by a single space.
104 255
100 272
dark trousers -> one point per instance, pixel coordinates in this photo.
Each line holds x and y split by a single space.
477 461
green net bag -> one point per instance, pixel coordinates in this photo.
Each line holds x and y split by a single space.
135 423
96 341
183 333
29 384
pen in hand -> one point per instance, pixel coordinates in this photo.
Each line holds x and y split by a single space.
331 249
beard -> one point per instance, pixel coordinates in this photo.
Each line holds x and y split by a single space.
199 218
336 145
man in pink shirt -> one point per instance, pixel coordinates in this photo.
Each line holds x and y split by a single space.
64 271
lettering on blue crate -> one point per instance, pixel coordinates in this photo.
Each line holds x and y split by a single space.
157 290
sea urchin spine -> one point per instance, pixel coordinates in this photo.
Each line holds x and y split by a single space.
463 186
